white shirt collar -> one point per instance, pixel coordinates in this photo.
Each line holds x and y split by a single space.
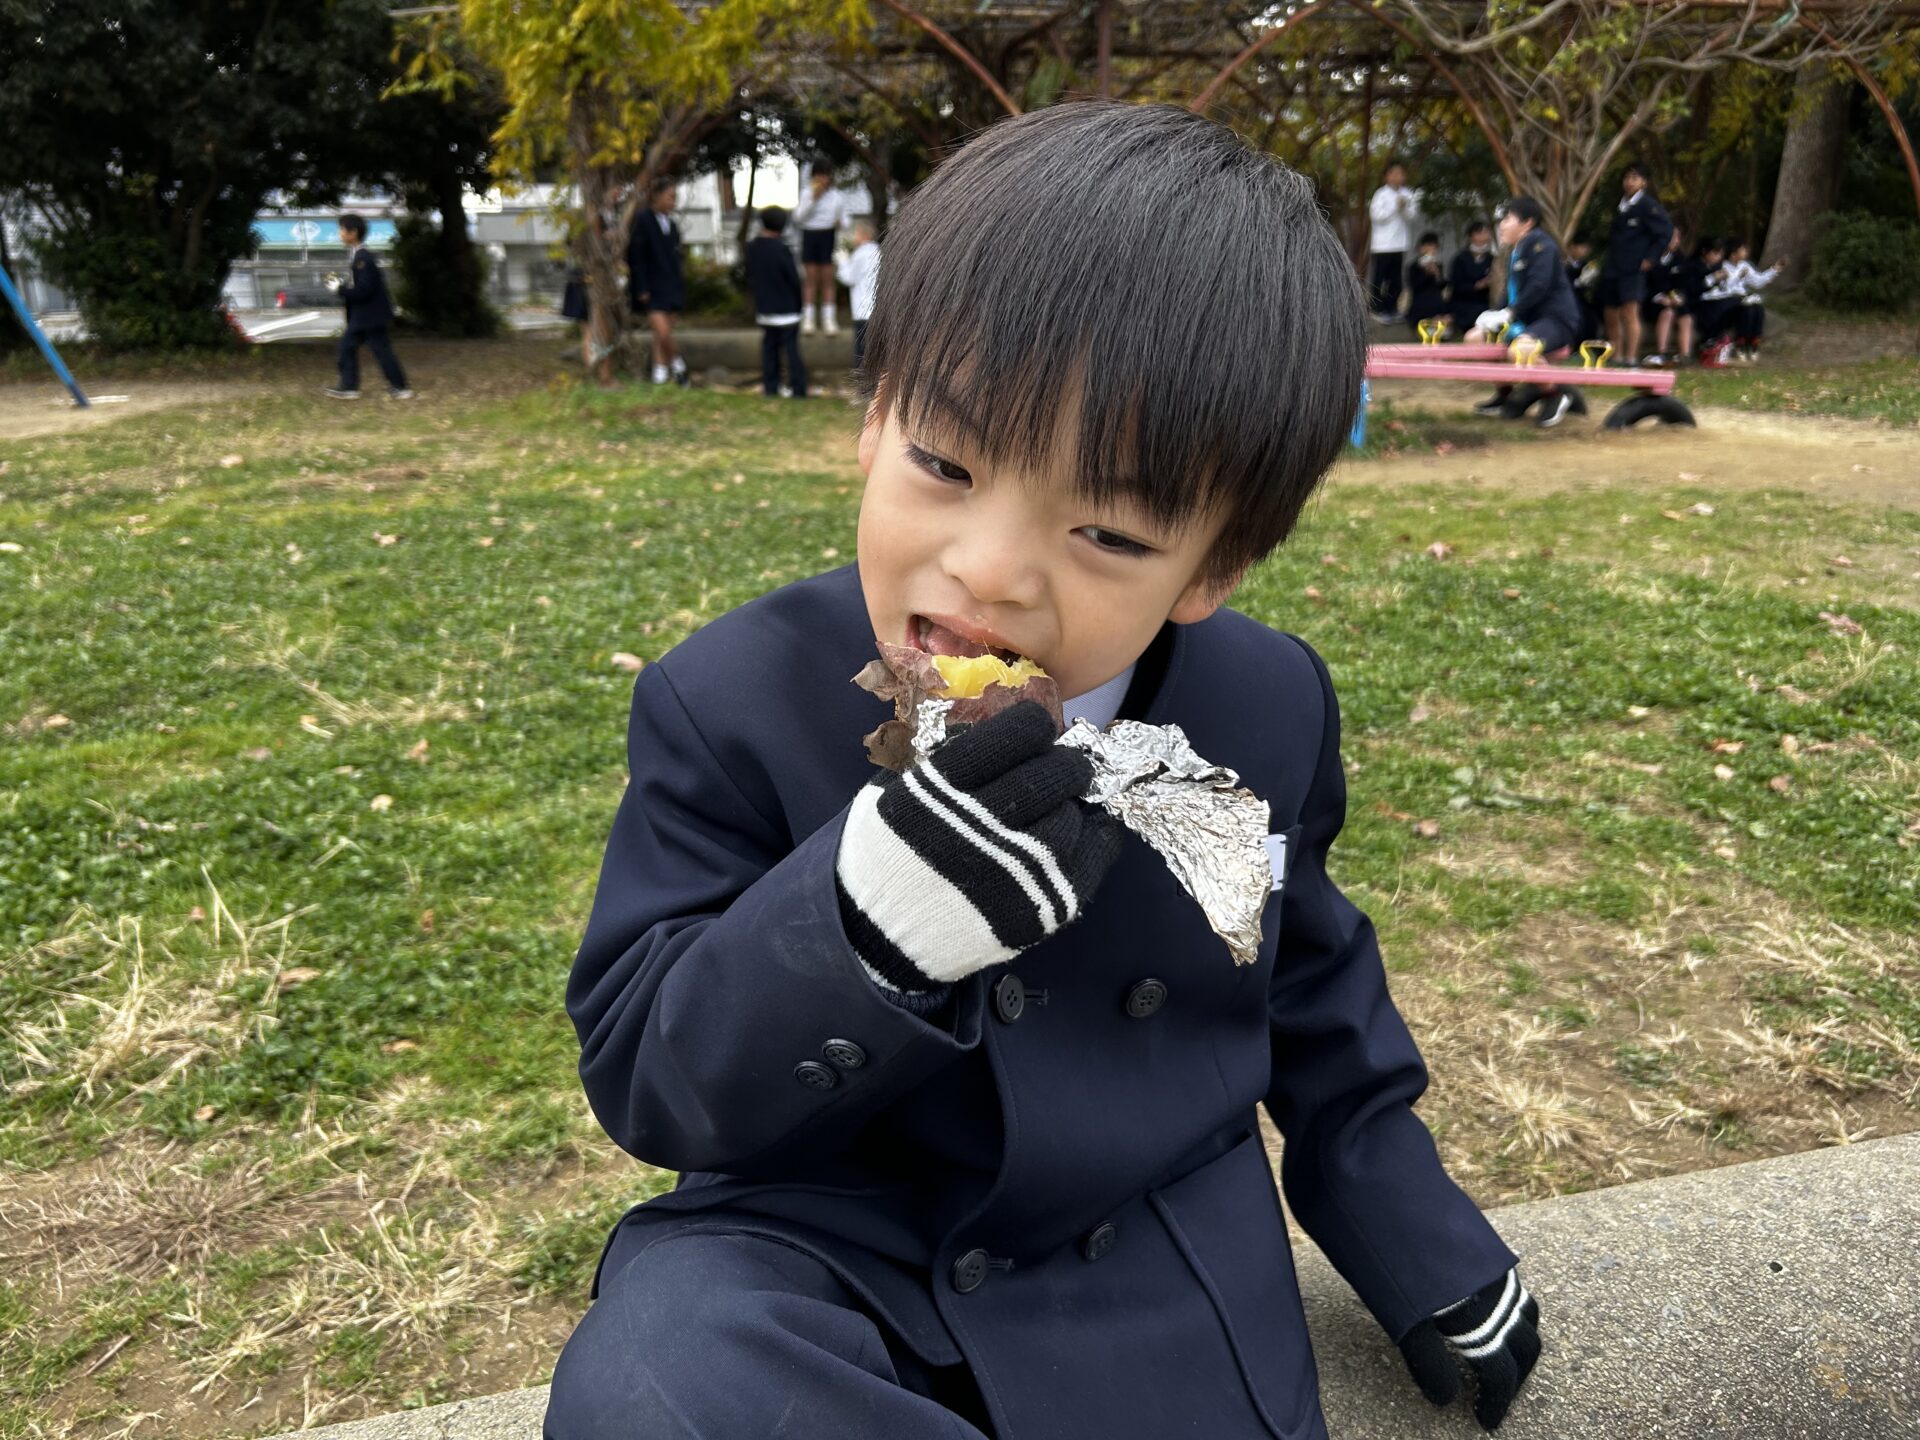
1100 705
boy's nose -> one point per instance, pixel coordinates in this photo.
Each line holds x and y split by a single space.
995 569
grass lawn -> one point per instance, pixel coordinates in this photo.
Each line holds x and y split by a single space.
311 728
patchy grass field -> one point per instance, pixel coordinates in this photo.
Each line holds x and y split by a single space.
311 727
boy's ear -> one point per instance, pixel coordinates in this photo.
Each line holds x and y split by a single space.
870 432
1204 596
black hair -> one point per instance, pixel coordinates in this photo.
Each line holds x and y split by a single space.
1634 167
1733 243
1428 237
661 182
1526 208
773 218
1208 368
354 225
1709 242
1475 227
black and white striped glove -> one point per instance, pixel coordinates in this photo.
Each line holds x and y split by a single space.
967 859
1494 1332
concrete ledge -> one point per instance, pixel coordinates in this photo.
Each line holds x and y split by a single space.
1778 1300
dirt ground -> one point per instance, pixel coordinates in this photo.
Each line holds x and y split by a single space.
1832 459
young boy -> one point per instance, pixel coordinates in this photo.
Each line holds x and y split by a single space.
1541 308
1670 288
1390 214
860 273
1426 281
774 282
1470 278
955 1162
1745 282
1583 273
369 313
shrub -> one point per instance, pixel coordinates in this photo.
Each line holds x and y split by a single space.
1865 262
713 291
439 297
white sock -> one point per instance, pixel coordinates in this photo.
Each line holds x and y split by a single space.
679 365
659 374
833 322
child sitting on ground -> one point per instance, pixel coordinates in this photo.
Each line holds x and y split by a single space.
962 1087
1470 278
1426 282
1749 314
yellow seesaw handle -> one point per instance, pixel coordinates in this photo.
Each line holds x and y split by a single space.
1594 353
1525 351
1432 329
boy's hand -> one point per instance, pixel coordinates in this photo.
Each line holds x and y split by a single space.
1495 1332
966 860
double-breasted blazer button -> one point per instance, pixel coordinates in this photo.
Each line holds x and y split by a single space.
1099 1241
844 1053
969 1271
1009 997
815 1076
1145 998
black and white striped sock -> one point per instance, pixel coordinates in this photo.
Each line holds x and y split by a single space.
966 860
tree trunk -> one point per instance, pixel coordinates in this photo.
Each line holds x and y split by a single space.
457 252
1809 169
880 182
601 243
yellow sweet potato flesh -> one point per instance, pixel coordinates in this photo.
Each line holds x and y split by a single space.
968 676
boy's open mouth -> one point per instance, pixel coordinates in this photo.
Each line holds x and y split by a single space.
938 639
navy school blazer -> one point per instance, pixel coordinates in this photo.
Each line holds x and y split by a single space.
1057 1177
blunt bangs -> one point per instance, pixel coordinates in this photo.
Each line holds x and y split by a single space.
1138 272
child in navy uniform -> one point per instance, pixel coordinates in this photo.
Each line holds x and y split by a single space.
1541 309
369 314
1426 282
962 1087
1470 278
1635 240
774 282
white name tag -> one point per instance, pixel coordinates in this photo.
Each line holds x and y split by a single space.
1277 860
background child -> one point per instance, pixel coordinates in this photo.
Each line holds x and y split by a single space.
1639 233
656 283
962 1087
1583 273
1713 310
1470 278
1743 283
821 211
369 314
1390 213
774 282
1426 282
1671 285
1540 310
860 273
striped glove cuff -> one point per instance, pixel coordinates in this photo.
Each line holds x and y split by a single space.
1494 1333
966 860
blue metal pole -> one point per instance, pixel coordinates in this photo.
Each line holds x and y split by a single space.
1358 436
40 338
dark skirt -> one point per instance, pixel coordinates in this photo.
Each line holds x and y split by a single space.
573 300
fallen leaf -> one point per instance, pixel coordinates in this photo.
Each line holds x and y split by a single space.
1723 772
830 553
1439 550
1841 624
259 752
1866 468
299 975
227 462
1420 714
638 544
11 547
1427 829
418 751
380 803
1509 594
1313 593
1639 712
398 1047
1329 559
485 542
543 601
55 722
206 1113
1689 474
1780 783
1843 562
1673 514
1793 695
624 661
426 920
1725 852
196 913
1700 507
1443 447
1646 769
1789 745
1727 747
311 724
380 539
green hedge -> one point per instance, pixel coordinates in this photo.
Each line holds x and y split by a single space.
1865 262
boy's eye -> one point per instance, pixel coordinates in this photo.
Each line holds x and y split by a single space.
1113 542
934 465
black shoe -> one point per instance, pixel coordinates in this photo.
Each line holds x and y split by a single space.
1494 406
1557 408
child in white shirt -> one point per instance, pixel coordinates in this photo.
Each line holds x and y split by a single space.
859 271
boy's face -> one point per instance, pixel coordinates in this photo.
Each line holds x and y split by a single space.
955 554
1512 227
1633 182
1579 250
347 238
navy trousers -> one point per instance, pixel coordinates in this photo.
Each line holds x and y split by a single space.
775 341
719 1335
374 337
1383 282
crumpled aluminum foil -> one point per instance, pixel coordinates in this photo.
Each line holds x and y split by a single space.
1211 832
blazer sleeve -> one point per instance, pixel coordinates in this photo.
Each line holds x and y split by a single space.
714 966
1536 282
1359 1169
1659 231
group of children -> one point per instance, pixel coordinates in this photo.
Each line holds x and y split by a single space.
1706 304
